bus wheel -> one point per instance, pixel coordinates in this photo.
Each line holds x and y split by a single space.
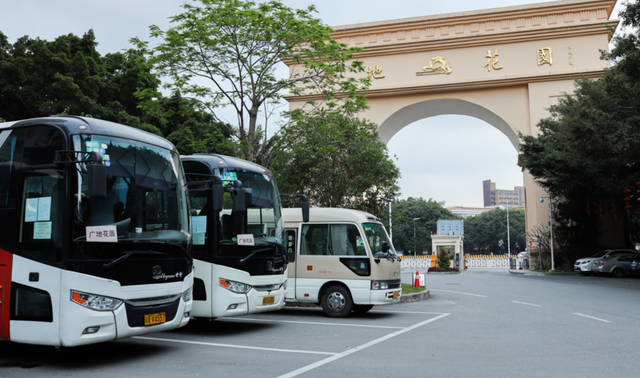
361 309
336 302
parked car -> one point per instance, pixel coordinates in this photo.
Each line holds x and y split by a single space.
618 265
635 267
584 265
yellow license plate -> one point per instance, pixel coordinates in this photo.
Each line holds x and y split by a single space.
396 294
268 300
158 318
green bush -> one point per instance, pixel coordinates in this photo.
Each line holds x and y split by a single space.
443 260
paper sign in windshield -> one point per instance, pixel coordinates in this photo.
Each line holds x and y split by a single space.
246 239
102 234
199 224
198 239
38 209
42 230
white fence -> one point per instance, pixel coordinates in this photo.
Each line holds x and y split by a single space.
483 261
473 261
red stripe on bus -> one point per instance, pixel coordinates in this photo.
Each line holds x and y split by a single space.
6 260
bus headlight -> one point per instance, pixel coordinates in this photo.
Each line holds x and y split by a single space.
379 285
95 302
186 295
236 287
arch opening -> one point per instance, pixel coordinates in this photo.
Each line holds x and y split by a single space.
432 108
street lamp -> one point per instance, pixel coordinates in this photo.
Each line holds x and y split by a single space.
550 228
508 237
415 252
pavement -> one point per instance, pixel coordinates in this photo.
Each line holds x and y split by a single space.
533 273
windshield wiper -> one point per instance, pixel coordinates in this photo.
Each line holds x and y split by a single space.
131 253
244 261
279 248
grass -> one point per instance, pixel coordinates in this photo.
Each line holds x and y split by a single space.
409 289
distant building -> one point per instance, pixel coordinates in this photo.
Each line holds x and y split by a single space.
467 211
500 197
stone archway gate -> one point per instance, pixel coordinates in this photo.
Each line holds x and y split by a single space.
505 66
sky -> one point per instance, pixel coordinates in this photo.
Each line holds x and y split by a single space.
430 167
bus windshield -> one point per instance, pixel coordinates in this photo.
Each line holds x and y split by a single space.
145 202
376 234
264 218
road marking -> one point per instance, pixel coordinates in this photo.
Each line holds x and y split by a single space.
307 368
232 346
313 323
592 317
405 312
528 304
458 292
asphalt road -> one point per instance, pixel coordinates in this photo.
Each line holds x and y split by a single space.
483 323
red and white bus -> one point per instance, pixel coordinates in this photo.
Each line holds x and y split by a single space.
94 232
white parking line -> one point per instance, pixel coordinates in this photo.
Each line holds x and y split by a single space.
405 312
528 304
232 346
592 317
361 347
312 323
458 292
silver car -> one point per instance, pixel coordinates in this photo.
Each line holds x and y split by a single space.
617 266
584 265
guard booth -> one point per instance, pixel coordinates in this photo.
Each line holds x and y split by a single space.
450 239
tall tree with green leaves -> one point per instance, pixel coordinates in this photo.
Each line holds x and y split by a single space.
588 152
405 224
39 78
224 53
336 160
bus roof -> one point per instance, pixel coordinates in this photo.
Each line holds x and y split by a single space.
328 214
70 124
214 161
4 125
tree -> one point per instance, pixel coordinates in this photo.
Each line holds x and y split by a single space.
429 212
236 45
336 160
487 233
588 152
68 76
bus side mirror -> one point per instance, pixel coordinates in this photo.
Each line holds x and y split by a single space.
305 208
97 175
217 192
239 203
385 247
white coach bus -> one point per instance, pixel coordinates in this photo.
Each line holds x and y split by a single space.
341 259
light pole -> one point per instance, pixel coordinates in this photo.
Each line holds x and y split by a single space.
508 237
550 229
415 252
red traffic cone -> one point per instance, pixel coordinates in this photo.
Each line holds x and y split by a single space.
416 283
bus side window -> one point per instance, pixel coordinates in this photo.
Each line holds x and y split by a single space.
314 239
290 244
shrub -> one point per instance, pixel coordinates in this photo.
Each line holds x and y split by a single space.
443 260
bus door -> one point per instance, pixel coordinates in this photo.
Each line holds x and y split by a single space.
291 245
3 284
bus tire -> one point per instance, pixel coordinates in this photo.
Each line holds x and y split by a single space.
361 309
336 302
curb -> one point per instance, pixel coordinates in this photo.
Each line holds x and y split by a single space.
415 297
